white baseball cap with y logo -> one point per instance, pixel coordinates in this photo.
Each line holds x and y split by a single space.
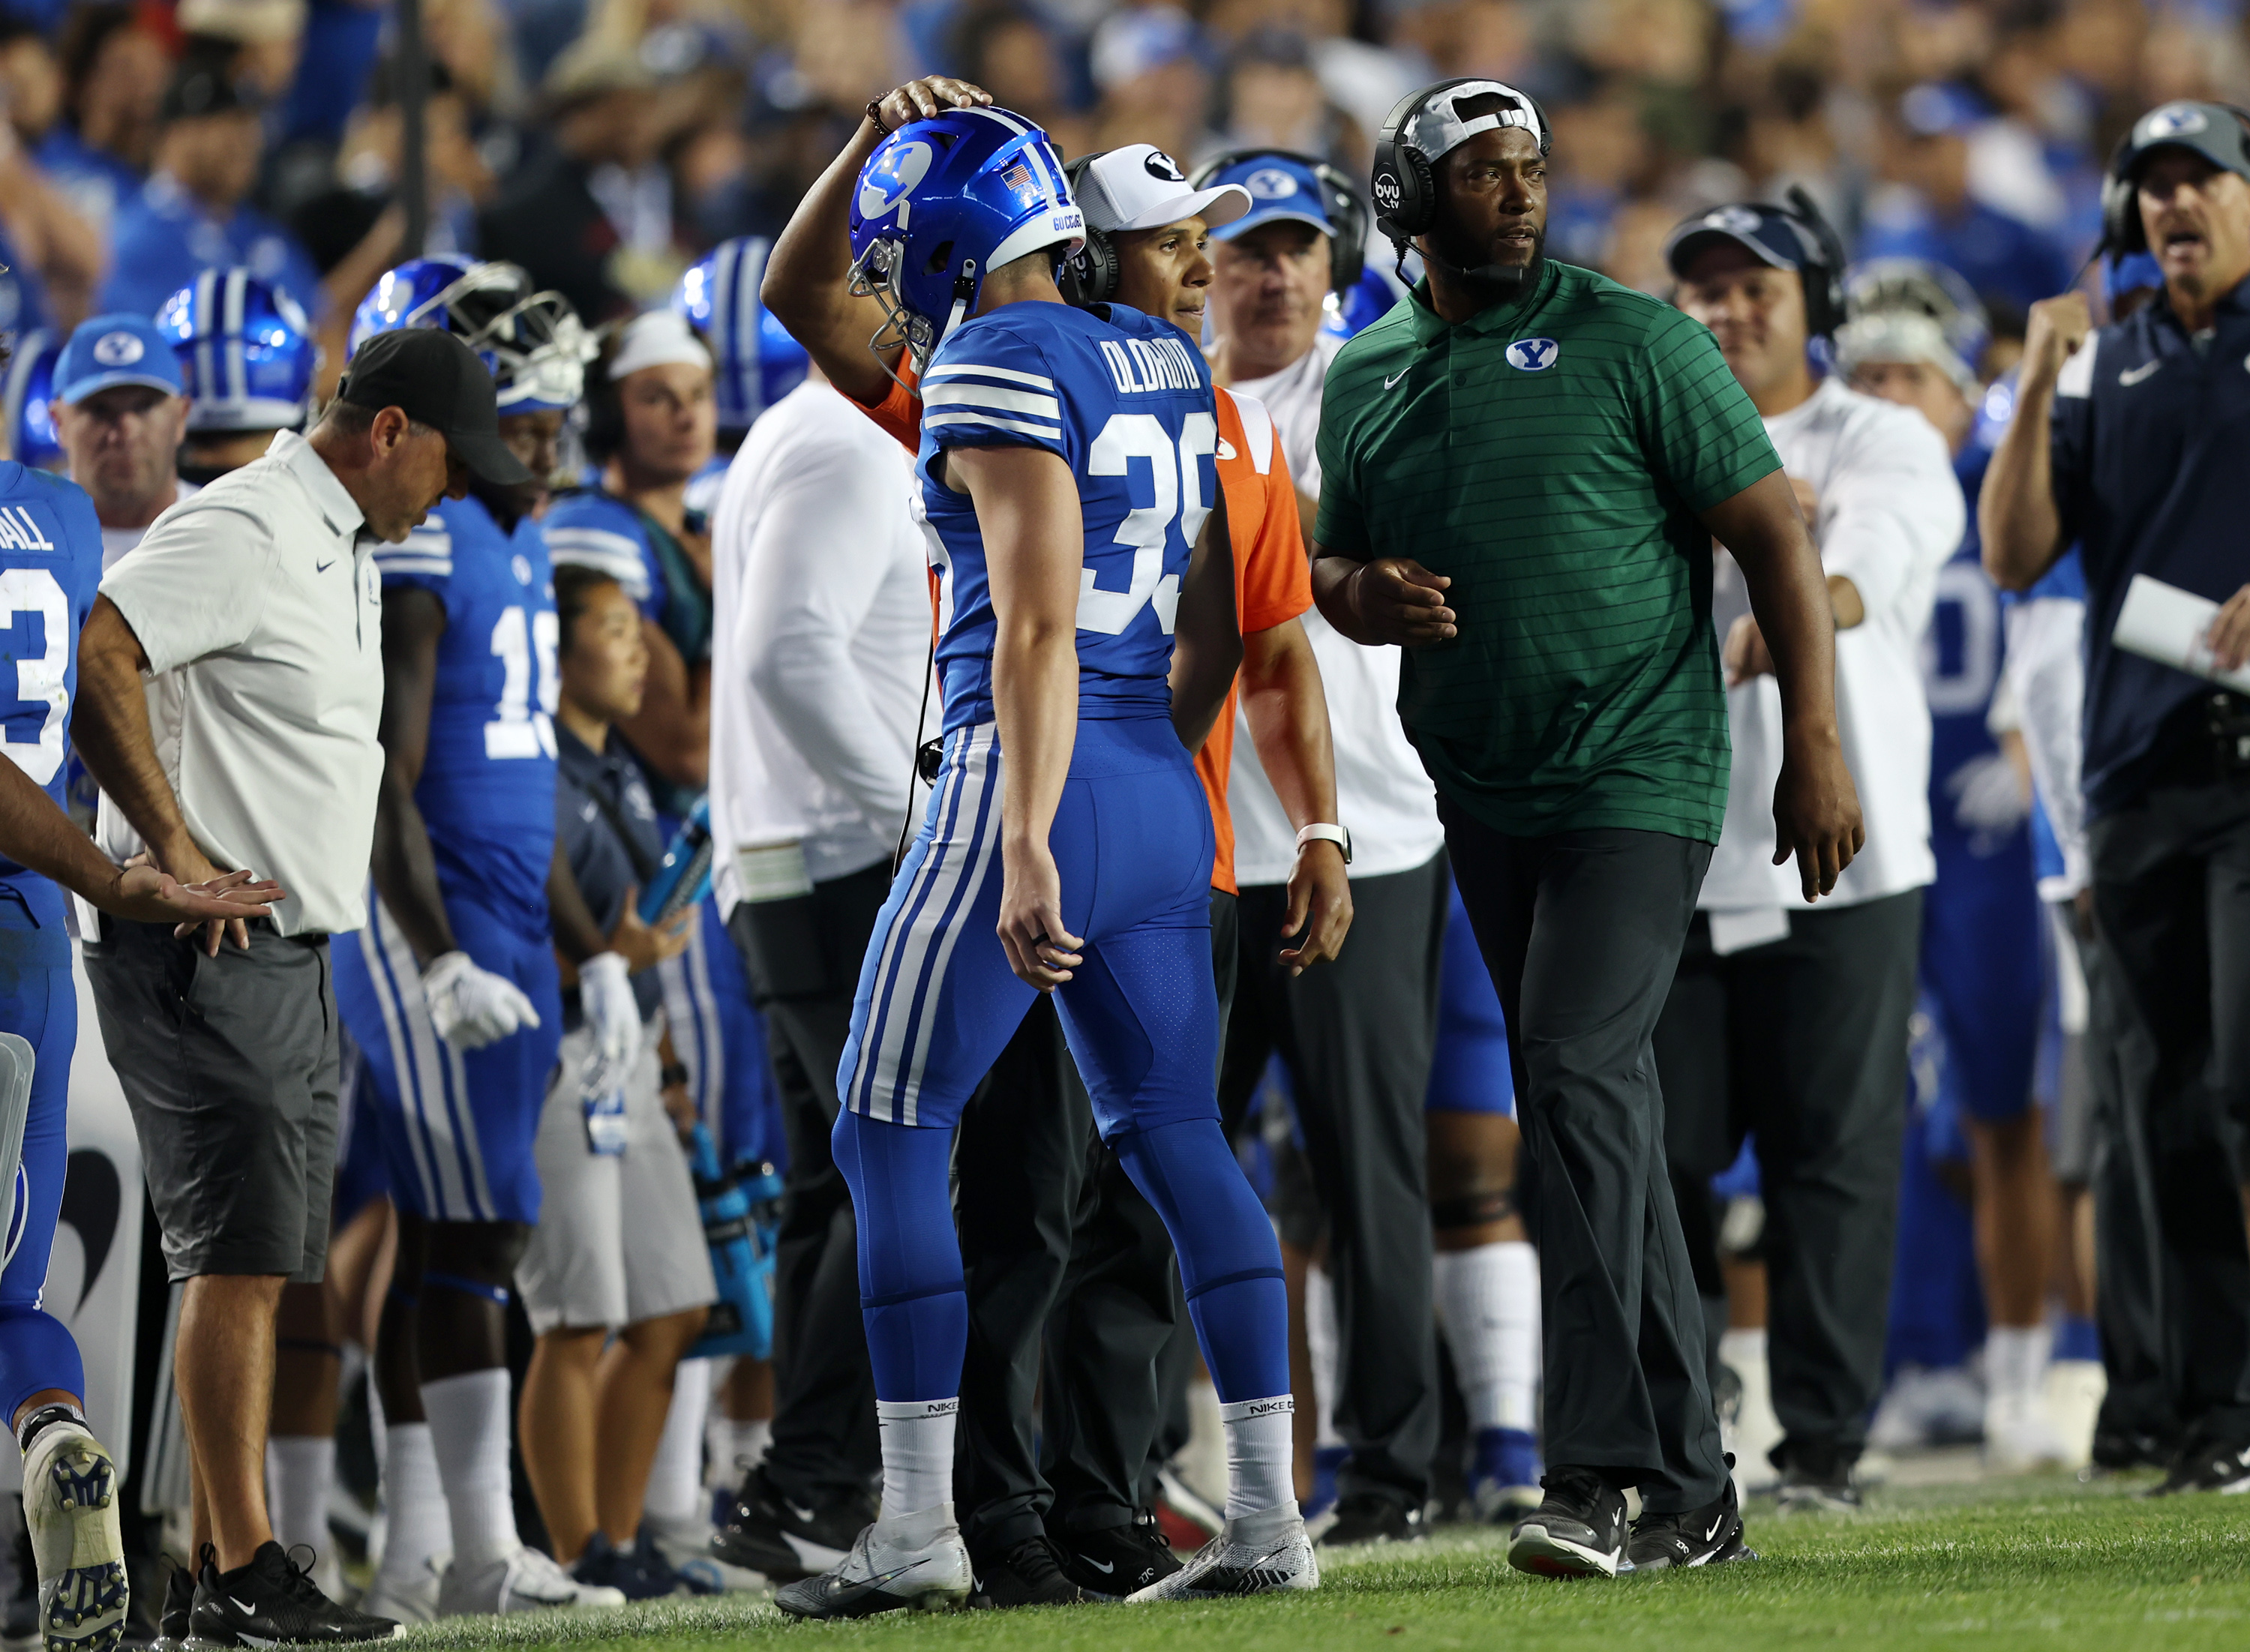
1139 187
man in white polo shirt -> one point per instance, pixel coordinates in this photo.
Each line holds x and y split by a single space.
256 609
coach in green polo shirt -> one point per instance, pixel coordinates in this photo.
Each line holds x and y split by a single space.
1525 465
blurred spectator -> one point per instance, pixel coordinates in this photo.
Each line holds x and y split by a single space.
31 81
1275 99
194 211
53 254
114 71
1148 69
335 221
259 41
1600 151
1012 53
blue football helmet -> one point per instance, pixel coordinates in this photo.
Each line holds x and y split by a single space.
1921 287
941 203
758 362
248 354
532 342
27 400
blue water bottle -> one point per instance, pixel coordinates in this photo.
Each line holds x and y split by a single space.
684 876
742 1320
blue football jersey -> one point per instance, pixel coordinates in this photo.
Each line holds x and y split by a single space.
1962 655
487 789
49 568
1126 401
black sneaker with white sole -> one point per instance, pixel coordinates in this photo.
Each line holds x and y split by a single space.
1114 1561
2210 1466
179 1603
1577 1530
1709 1536
768 1531
1369 1517
272 1600
1027 1575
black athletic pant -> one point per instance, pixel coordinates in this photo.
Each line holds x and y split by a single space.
1804 1042
1582 932
1357 1034
803 956
1061 1255
2172 892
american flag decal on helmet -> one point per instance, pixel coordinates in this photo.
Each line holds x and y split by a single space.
1018 177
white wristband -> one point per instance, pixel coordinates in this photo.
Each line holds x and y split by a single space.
1321 832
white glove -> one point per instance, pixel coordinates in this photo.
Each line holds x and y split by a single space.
470 1006
1988 795
605 997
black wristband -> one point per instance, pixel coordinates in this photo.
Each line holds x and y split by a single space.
875 114
674 1073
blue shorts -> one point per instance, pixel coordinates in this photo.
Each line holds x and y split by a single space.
719 1037
937 1002
38 1002
1981 973
1470 1073
457 1126
362 1174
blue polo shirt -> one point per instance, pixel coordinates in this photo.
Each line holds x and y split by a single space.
2152 476
164 239
607 825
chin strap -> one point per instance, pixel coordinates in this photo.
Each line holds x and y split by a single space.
964 293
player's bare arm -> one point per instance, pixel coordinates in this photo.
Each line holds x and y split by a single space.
1287 710
1027 506
2016 513
1388 600
405 869
1816 809
808 277
1206 635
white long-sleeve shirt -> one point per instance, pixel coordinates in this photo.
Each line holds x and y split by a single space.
1890 514
820 643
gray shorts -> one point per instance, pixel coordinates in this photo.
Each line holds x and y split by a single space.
230 1066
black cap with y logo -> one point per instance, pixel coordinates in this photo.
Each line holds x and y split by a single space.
436 379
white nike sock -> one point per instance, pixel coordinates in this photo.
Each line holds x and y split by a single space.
416 1524
917 1454
1258 1454
675 1479
1326 1345
300 1468
1488 1303
733 1447
2015 1359
468 1427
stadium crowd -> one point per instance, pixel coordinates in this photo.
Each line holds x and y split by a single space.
629 742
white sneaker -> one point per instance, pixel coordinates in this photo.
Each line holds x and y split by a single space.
413 1599
524 1581
2020 1437
1253 1554
1926 1406
70 1503
917 1560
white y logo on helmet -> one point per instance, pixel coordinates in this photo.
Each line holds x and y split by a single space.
891 180
2173 121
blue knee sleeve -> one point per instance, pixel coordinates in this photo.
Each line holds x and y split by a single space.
37 1352
1228 1261
911 1293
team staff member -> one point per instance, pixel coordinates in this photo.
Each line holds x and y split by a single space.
1794 1027
2123 441
1563 688
264 718
122 431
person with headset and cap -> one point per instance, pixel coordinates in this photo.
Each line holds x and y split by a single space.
2125 441
1523 468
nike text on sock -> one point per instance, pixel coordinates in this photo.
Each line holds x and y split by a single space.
1258 1454
300 1470
416 1520
917 1454
468 1426
1488 1299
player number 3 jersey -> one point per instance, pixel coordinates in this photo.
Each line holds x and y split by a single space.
1126 401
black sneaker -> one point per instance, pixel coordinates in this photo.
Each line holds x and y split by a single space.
769 1532
1577 1530
1112 1562
2122 1448
1369 1517
601 1564
1709 1536
1818 1485
1028 1574
179 1602
2212 1466
271 1599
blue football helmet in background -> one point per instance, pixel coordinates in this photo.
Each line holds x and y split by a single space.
246 352
532 342
1920 286
27 412
940 204
758 362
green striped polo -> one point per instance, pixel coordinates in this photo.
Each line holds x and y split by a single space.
1549 456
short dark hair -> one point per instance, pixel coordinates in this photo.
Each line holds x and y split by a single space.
575 585
350 418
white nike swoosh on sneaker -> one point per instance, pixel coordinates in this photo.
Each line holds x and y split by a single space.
241 1606
2134 375
1104 1567
1387 383
1714 1531
806 1515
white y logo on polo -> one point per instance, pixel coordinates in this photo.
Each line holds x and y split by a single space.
2173 121
1160 165
1533 355
118 349
891 182
1274 184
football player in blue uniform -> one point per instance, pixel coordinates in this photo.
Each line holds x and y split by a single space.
1915 337
451 990
247 356
1068 482
50 565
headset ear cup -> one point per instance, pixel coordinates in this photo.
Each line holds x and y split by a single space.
1419 205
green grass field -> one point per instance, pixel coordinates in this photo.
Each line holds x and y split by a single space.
2023 1563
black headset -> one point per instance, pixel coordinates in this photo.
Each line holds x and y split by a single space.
1089 275
2122 232
1403 181
1824 283
1346 206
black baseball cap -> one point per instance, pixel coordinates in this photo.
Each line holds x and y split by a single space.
202 86
1771 234
436 379
2213 130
